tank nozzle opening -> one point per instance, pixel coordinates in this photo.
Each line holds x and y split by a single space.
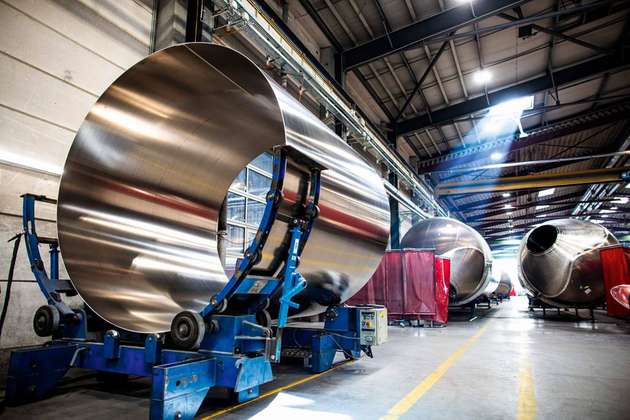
542 238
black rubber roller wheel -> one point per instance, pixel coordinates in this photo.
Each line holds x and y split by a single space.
46 320
187 330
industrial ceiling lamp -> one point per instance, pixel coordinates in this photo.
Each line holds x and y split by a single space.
482 76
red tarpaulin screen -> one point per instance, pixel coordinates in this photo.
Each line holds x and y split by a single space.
411 284
442 285
616 271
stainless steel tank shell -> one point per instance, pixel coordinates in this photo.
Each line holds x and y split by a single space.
149 169
559 262
469 253
505 285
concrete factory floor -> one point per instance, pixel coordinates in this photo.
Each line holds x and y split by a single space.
508 363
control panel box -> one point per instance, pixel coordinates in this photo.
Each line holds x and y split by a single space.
373 325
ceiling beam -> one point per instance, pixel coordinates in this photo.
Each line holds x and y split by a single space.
319 22
538 134
559 34
438 24
419 82
541 163
569 74
485 224
328 33
529 182
549 208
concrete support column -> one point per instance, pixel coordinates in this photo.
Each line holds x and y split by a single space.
179 21
394 215
331 60
394 209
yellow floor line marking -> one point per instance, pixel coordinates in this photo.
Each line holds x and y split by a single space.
402 406
274 391
526 409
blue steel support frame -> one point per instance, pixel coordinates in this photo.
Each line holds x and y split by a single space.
341 333
293 282
274 196
180 379
234 355
48 285
231 357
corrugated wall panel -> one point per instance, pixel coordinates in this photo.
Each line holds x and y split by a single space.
56 58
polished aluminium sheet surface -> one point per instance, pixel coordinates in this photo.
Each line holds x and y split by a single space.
469 253
559 262
148 171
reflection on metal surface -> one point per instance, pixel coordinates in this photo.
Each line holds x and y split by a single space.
148 171
469 254
621 294
559 262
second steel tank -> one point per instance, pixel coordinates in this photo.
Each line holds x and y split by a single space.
469 253
559 262
505 286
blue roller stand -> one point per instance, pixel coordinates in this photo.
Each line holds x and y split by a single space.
341 333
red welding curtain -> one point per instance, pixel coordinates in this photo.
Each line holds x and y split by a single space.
442 285
410 283
616 270
393 284
418 283
375 290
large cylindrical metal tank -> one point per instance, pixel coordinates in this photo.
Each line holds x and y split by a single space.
149 169
559 262
505 286
470 255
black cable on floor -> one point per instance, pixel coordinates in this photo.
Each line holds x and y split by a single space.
7 292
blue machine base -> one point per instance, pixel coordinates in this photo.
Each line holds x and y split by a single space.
180 379
179 383
341 333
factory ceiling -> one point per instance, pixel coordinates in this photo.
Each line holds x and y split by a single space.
477 91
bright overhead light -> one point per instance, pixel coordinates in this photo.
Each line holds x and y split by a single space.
542 207
604 211
482 76
505 117
513 107
496 156
506 195
508 206
541 215
614 208
621 200
509 213
546 193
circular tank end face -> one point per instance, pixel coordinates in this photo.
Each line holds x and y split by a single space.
467 267
140 199
146 176
542 239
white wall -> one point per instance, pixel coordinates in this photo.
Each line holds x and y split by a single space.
56 58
